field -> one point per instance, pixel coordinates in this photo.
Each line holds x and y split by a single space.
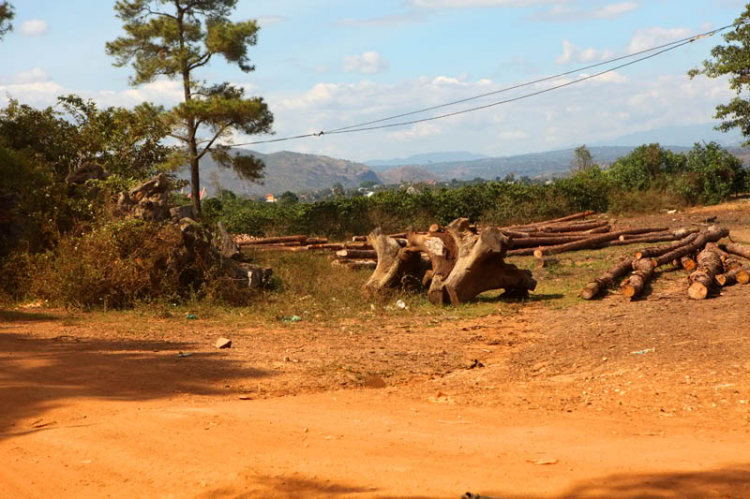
548 398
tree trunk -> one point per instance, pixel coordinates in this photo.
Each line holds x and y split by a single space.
661 250
696 245
606 280
733 276
535 242
442 250
590 243
737 249
703 279
480 266
643 270
396 265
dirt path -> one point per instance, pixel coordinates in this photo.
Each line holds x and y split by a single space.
607 399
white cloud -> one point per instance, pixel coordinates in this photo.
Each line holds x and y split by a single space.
368 63
651 37
613 10
35 27
265 21
34 75
573 53
513 135
417 131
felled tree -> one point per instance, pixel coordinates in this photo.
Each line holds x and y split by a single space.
176 38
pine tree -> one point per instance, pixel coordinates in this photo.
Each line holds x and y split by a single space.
176 38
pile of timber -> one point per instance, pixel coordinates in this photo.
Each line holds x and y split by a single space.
711 266
282 243
455 263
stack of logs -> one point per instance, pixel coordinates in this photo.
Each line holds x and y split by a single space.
282 243
711 266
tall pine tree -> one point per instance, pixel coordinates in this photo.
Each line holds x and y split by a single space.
176 38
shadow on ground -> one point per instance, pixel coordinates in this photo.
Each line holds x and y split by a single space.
39 374
726 483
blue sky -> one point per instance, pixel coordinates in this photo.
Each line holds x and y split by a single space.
324 64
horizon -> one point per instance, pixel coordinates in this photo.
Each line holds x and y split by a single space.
353 62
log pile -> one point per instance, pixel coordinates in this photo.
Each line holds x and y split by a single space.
282 243
710 266
455 263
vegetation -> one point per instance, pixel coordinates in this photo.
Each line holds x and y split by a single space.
731 60
178 41
6 16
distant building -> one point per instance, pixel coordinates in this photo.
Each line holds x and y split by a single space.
270 198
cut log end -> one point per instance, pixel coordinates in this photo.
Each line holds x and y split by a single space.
698 291
628 291
590 291
539 253
743 277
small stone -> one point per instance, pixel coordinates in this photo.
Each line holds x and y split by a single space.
223 343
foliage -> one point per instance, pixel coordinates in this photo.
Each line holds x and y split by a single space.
732 60
712 174
6 16
582 159
643 168
178 41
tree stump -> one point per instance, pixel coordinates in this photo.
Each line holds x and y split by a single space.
479 265
396 265
441 250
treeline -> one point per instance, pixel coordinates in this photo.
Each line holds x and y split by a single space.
649 178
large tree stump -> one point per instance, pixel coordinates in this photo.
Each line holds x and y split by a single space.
395 266
442 251
480 266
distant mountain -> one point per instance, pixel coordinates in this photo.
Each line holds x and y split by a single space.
285 171
414 174
424 159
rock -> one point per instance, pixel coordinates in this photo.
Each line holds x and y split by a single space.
87 171
222 343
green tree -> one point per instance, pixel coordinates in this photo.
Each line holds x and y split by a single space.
732 59
6 16
176 38
582 159
288 197
639 170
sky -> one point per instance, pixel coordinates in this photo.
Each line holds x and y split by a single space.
326 64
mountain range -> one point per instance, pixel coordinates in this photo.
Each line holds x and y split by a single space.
296 172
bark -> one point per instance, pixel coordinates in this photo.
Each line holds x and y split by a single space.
661 250
711 236
535 242
737 249
442 250
606 280
643 271
275 240
703 279
581 227
396 266
569 218
480 266
590 243
355 264
737 275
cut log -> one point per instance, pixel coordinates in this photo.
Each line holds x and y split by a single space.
480 266
442 250
606 280
396 266
687 263
274 240
355 264
350 254
543 235
737 275
535 242
581 227
359 246
703 279
737 249
643 270
569 218
661 250
327 246
590 243
710 236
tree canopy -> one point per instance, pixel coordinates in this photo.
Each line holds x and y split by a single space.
732 59
176 38
6 16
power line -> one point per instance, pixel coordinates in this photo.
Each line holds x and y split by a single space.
667 47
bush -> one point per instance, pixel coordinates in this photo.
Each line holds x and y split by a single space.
711 175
